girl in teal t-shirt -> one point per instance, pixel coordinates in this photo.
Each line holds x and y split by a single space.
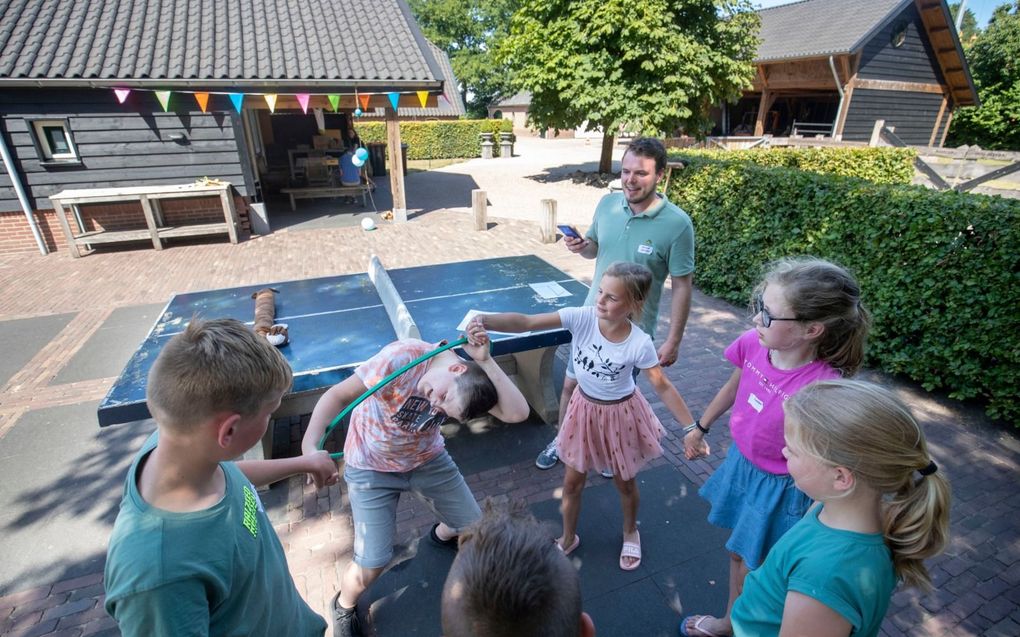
882 509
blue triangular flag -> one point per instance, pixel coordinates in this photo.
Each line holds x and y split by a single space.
394 99
237 99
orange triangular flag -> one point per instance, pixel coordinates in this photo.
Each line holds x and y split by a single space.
271 100
203 100
364 101
423 98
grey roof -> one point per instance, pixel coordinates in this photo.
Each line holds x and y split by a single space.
453 106
174 42
821 27
522 98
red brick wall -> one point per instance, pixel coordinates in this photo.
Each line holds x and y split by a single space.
16 235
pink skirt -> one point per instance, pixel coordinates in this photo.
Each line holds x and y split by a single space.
621 436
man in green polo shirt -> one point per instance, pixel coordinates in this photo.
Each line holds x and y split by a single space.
641 226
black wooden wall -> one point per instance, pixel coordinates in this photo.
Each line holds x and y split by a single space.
120 145
913 61
913 114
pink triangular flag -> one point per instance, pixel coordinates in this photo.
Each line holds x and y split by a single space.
271 100
302 99
122 94
423 98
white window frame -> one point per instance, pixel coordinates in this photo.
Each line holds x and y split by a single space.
47 152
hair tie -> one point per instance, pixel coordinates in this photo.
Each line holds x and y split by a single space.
930 469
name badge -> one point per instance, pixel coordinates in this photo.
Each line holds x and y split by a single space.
644 248
755 402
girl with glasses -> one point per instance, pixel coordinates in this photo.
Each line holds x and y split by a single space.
809 325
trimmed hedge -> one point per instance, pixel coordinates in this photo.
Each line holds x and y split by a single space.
880 165
439 139
940 271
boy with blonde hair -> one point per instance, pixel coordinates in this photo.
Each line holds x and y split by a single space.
193 551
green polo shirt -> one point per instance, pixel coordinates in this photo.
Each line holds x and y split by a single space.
661 239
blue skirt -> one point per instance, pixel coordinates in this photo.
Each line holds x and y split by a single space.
757 505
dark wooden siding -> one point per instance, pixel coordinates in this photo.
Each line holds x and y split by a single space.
914 61
120 145
913 114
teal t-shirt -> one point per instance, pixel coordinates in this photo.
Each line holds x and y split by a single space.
851 573
220 571
661 239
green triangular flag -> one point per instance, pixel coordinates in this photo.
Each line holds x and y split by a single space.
334 101
164 99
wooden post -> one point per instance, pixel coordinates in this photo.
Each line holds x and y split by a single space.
938 120
150 221
480 204
72 245
548 221
396 166
945 131
763 107
876 132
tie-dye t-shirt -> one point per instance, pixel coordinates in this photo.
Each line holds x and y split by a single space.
374 440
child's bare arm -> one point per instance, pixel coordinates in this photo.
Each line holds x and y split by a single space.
669 395
511 406
803 615
320 467
512 322
694 442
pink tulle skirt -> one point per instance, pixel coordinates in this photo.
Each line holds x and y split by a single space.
622 436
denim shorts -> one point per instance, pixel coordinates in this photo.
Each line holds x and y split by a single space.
374 496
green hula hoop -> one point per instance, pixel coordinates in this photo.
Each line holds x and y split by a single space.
346 410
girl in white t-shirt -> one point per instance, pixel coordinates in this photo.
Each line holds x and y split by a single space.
608 422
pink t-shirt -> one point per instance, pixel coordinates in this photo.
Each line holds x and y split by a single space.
374 440
756 421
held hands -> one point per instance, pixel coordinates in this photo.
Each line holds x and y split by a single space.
321 469
575 245
695 445
477 346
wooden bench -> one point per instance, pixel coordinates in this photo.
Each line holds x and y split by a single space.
149 197
317 192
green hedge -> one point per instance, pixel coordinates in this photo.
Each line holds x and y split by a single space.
939 270
880 165
439 139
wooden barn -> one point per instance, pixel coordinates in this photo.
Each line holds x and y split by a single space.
122 110
833 67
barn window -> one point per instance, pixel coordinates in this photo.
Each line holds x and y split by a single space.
53 140
899 35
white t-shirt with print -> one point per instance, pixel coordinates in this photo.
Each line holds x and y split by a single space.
603 369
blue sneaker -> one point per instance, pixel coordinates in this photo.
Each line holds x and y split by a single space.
548 458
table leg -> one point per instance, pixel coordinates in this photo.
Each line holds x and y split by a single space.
535 380
62 218
293 204
230 212
150 221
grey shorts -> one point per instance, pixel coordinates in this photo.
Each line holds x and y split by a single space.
374 496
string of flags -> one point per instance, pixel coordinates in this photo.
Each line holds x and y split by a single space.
237 99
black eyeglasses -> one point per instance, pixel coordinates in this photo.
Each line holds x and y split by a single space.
758 306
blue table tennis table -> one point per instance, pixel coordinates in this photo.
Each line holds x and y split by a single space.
336 323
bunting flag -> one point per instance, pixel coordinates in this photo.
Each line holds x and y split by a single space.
302 99
164 99
237 99
364 101
394 99
203 100
423 98
334 101
271 100
122 94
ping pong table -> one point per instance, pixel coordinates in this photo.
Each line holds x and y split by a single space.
336 323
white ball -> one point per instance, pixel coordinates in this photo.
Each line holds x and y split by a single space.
368 223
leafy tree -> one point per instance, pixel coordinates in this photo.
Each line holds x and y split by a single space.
653 65
968 26
995 66
469 31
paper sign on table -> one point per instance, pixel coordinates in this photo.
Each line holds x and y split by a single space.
549 289
473 313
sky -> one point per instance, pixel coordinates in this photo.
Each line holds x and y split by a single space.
982 8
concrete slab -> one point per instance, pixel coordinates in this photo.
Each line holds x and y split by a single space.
60 486
21 340
108 350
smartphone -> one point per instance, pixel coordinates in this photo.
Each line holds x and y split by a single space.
570 231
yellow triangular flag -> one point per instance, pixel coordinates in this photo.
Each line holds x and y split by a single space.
203 100
271 100
164 99
423 98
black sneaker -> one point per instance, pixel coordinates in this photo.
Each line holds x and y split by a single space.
345 622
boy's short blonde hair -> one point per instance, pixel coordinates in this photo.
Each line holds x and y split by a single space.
214 367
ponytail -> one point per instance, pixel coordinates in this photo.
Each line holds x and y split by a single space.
867 429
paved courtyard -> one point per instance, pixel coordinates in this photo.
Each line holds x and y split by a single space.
68 325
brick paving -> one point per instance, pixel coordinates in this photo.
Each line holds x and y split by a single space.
977 580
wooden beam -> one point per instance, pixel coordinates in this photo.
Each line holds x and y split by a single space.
938 29
837 130
948 49
763 107
945 131
938 120
910 87
396 166
844 65
763 77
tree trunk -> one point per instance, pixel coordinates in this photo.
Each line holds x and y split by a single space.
606 161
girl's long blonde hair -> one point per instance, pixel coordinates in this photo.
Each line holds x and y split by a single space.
636 279
868 430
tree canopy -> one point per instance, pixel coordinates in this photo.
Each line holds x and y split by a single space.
994 59
968 26
469 31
